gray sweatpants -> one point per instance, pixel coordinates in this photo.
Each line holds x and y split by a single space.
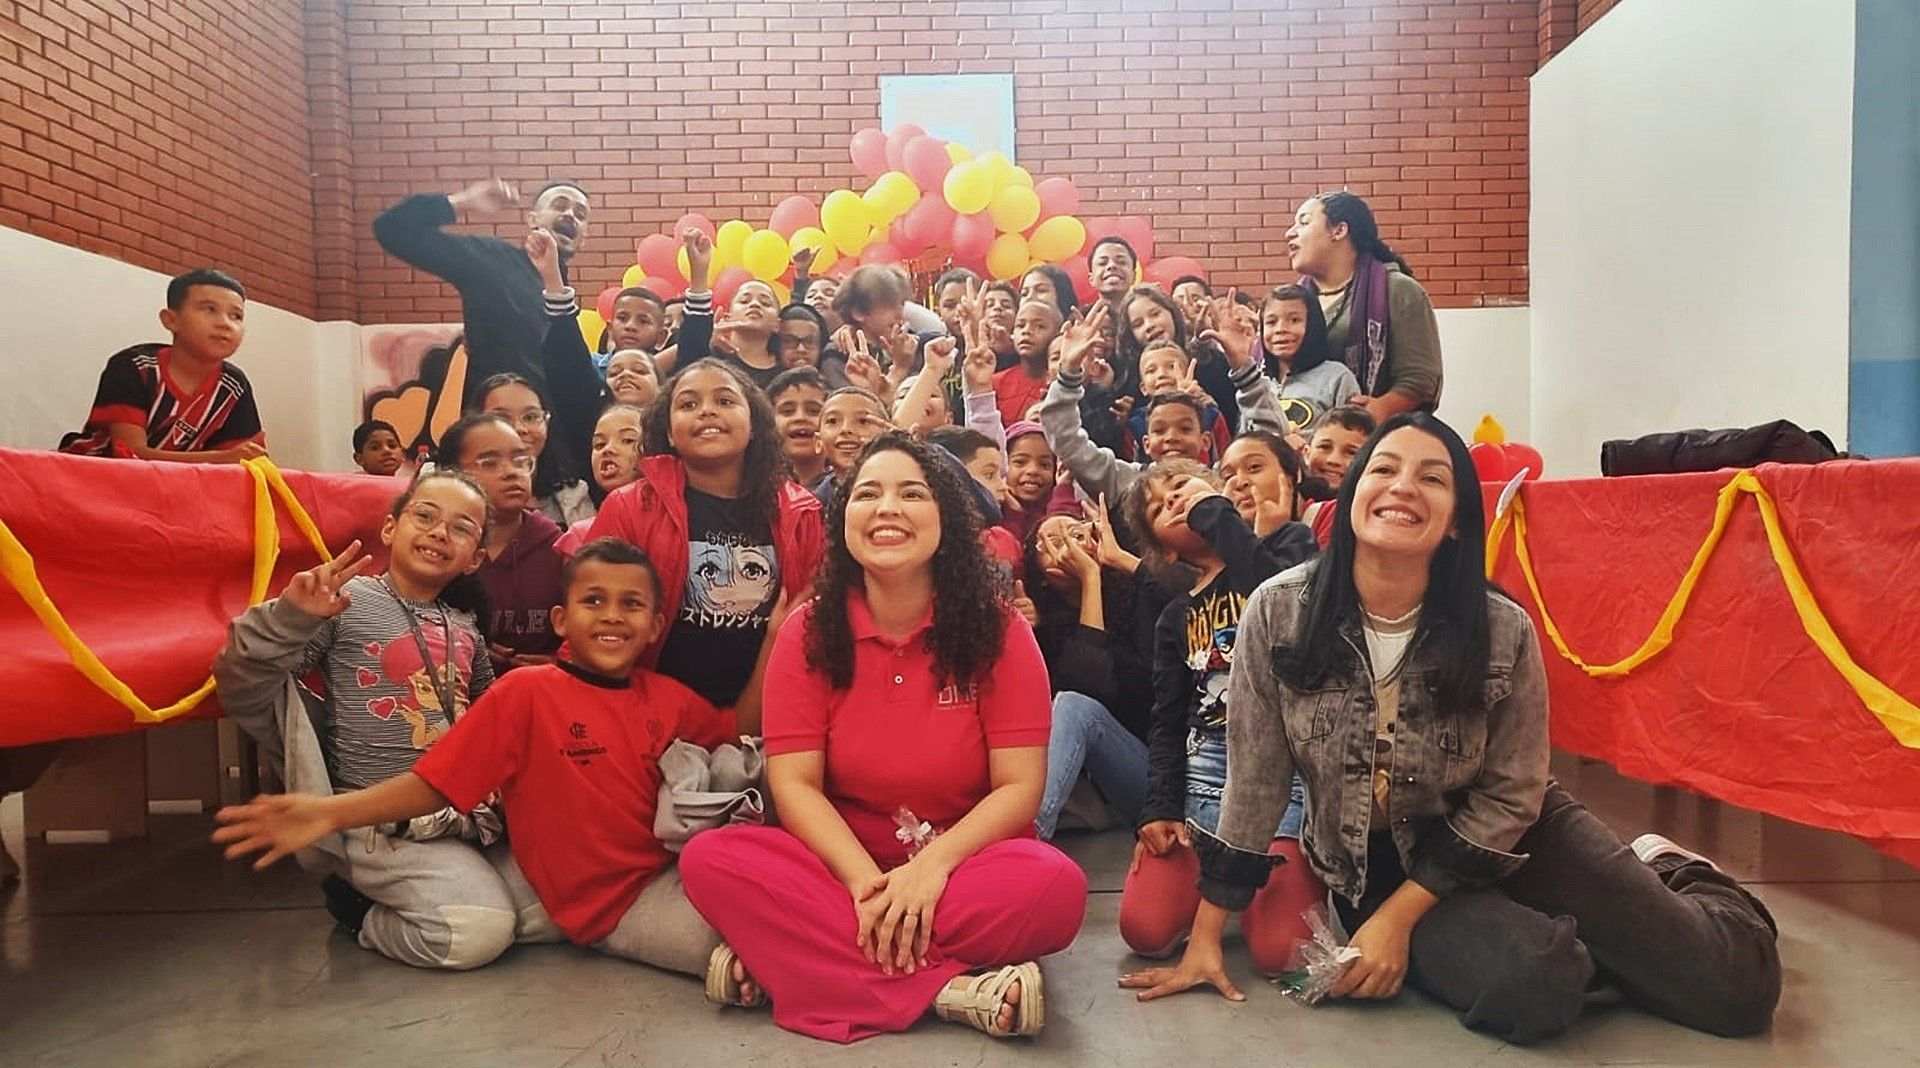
451 904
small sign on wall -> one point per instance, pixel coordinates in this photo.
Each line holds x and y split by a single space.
975 110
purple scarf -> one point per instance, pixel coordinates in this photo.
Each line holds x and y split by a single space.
1365 349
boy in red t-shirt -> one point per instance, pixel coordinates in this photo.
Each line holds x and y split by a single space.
573 748
183 401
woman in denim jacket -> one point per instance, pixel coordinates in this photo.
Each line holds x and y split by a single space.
1410 696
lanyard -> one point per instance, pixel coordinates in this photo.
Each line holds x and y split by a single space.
442 685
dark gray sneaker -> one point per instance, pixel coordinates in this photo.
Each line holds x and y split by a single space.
347 906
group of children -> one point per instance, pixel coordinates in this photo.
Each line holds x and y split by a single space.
598 562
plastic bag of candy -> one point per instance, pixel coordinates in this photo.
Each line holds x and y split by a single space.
1316 963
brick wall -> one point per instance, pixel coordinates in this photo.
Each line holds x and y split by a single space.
170 136
264 135
723 108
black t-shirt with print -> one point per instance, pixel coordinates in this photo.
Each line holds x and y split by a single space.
733 581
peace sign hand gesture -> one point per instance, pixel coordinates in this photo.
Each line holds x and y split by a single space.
1080 339
319 591
1233 329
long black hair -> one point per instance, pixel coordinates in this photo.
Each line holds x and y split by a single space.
969 596
1454 627
1130 347
1063 292
763 466
1341 206
466 592
1316 347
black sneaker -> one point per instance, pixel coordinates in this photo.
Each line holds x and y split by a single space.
347 906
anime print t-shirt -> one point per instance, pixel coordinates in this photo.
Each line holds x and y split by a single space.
386 704
1213 620
733 580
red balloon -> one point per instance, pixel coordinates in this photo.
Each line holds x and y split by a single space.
657 254
929 221
926 161
897 145
1138 233
901 236
869 151
972 234
1098 227
1163 272
666 287
1082 275
604 302
1057 197
1519 456
879 252
793 213
1490 460
728 283
694 219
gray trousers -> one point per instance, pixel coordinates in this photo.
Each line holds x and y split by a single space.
1520 960
451 904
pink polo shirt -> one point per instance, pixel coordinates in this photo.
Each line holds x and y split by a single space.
895 738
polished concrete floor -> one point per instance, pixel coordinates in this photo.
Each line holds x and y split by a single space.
158 953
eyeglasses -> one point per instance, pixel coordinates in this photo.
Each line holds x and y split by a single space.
531 418
459 527
493 465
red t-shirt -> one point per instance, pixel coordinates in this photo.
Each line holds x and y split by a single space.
577 764
895 738
1015 391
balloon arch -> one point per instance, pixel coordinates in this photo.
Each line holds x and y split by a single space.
931 203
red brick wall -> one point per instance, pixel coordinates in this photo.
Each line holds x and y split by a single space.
1419 106
1591 10
169 137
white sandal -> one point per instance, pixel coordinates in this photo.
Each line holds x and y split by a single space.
979 1002
722 987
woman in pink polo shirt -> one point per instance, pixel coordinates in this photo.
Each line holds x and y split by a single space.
906 723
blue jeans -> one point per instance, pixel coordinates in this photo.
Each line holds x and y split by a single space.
1087 737
1207 779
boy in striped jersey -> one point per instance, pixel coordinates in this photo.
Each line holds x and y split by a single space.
182 401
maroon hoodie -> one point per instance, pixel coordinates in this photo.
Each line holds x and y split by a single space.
523 586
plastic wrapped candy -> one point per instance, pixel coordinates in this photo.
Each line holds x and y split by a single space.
1316 963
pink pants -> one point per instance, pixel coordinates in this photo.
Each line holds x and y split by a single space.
1158 902
793 925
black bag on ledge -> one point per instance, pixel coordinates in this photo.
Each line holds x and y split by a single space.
1778 442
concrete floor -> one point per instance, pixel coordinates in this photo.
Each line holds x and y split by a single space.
157 953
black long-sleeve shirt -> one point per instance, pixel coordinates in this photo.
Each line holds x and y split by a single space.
1107 663
1200 627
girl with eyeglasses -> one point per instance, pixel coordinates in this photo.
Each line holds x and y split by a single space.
403 658
557 492
521 565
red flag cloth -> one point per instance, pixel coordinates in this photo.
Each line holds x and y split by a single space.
1742 706
148 562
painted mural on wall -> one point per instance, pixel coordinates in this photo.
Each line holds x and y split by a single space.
412 377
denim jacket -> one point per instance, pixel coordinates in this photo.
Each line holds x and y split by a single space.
1466 784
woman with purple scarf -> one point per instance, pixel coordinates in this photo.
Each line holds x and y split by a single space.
1379 319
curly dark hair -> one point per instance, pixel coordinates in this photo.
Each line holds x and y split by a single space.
969 596
762 468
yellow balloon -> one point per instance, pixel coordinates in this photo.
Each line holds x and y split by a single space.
727 243
1018 175
765 255
635 274
998 167
1007 256
1057 238
591 327
1013 209
891 194
844 218
824 254
784 293
958 153
968 188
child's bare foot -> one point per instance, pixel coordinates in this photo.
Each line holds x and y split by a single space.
749 990
728 982
1009 1001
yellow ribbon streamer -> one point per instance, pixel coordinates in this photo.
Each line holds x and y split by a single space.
16 564
1898 714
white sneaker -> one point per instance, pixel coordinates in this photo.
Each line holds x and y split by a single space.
1650 847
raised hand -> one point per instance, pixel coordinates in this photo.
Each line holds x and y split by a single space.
722 341
981 363
1233 330
544 251
937 358
1024 604
1080 340
1180 500
488 194
901 346
319 591
802 262
699 258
